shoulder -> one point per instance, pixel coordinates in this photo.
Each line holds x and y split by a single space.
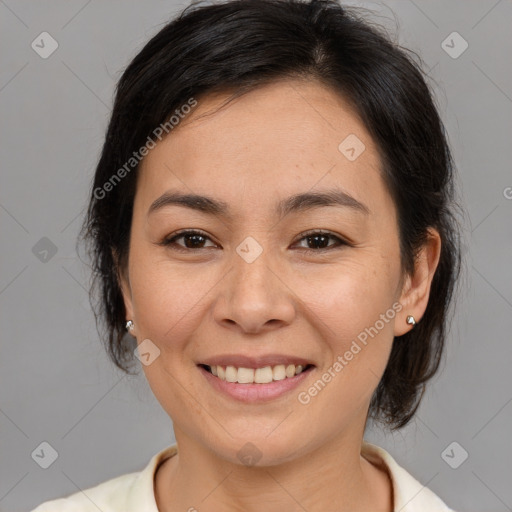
125 493
107 496
409 494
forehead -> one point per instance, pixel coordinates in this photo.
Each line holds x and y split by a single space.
280 139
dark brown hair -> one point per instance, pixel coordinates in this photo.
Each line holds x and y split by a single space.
237 46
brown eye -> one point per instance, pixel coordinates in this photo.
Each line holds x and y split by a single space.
191 240
319 241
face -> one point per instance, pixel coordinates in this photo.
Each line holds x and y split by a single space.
264 276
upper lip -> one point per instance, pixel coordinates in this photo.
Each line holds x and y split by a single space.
242 361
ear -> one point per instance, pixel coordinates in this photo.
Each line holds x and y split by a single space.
416 289
124 284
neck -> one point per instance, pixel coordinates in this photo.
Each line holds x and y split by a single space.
333 476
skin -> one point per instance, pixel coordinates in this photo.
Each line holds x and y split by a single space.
278 140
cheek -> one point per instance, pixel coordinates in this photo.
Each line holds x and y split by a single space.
352 309
350 297
167 299
167 302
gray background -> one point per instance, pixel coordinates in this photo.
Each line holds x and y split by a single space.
56 382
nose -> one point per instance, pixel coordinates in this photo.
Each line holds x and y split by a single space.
254 297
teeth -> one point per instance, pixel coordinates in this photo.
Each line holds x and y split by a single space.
263 375
290 370
231 374
245 375
258 375
279 372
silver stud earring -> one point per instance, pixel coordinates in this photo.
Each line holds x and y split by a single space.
410 320
129 325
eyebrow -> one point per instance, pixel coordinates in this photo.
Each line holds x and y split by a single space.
292 204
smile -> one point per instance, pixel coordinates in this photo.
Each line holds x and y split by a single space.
253 385
257 376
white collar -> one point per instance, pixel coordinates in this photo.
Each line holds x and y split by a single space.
134 492
409 495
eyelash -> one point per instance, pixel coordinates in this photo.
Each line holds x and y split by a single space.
168 241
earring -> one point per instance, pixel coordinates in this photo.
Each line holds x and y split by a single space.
129 325
410 320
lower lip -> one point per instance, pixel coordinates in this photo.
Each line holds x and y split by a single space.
253 393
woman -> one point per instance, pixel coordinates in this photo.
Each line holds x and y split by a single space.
272 222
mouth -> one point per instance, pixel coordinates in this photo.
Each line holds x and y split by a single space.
263 375
255 385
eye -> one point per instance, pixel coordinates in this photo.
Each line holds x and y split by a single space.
318 241
193 239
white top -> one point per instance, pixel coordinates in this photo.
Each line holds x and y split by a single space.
134 492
